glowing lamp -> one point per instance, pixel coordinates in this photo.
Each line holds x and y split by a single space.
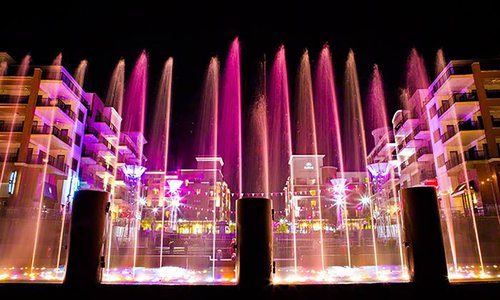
174 185
378 169
133 171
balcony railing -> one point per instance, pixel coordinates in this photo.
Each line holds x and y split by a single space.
453 163
101 118
462 126
11 127
408 162
41 159
423 151
59 103
475 155
492 93
55 131
464 97
8 157
12 99
405 117
427 174
420 128
126 142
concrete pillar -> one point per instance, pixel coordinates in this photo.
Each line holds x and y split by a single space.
423 237
86 238
254 258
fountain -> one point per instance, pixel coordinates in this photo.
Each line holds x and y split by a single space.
80 72
230 139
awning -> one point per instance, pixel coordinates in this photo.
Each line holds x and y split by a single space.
460 189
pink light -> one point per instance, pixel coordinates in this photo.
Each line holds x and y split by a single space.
174 185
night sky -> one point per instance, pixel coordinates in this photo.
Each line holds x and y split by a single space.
192 32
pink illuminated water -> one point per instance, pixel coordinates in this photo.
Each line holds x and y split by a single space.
230 139
3 68
329 136
257 145
440 63
134 105
116 87
134 113
354 141
208 117
306 142
158 137
377 117
416 77
57 60
80 72
280 133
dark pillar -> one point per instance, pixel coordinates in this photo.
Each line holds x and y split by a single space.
86 238
423 237
254 242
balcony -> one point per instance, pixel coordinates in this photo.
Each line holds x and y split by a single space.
493 94
427 175
11 127
470 155
8 157
108 128
41 159
38 131
63 107
469 131
13 99
407 118
421 131
408 162
463 104
424 154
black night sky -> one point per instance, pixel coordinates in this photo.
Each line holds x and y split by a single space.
192 32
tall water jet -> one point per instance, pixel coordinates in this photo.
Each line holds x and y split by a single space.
440 63
23 68
354 130
114 98
257 142
57 60
280 138
159 130
134 113
416 77
329 136
208 132
80 72
377 117
116 87
159 134
354 133
134 109
306 137
230 139
3 68
258 149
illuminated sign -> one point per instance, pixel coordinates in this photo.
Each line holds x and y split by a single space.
308 166
12 182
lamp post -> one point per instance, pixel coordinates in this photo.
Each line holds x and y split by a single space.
133 174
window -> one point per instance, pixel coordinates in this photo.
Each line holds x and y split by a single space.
436 135
78 140
440 160
433 111
81 115
74 164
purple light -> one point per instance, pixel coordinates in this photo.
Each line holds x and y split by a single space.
133 171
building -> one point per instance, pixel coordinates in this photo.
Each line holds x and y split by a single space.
42 121
463 109
193 199
413 149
